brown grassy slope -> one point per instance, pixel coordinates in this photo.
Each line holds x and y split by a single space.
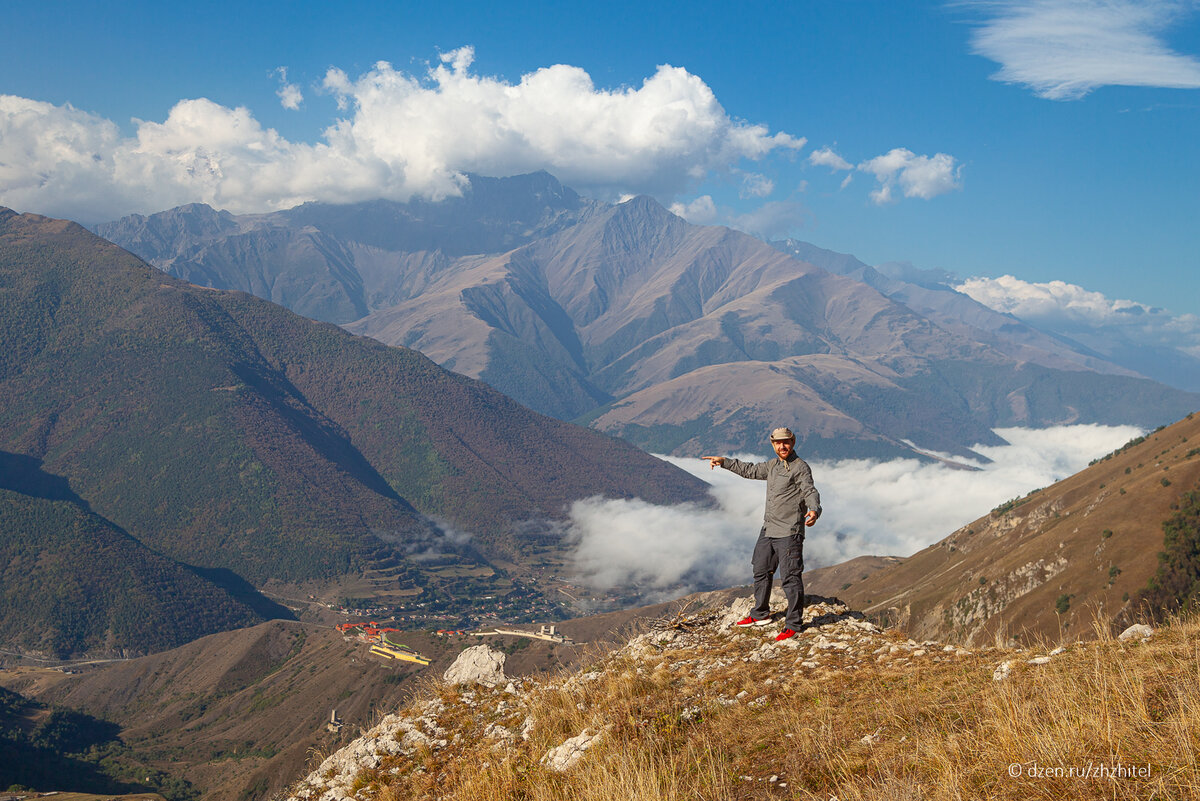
834 579
1093 537
240 709
848 711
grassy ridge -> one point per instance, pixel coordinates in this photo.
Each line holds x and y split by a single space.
1106 719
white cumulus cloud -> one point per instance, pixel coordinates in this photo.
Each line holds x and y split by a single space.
1064 49
1054 299
289 94
915 176
401 135
1086 315
701 211
825 157
870 507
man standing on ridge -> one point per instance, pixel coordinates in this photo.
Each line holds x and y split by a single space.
792 504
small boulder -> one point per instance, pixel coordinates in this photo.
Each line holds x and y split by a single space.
1138 631
564 757
478 664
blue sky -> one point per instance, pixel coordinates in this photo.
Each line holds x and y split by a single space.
1047 140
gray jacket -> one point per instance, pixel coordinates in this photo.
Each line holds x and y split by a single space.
790 492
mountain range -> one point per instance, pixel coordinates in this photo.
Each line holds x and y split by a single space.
216 441
679 338
932 293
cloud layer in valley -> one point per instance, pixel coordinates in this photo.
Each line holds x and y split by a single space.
1064 49
402 135
871 507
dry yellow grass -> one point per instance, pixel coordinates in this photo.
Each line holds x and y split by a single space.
1104 719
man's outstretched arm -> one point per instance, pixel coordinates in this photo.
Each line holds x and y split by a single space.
737 466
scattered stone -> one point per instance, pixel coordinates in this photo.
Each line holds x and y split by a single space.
527 727
495 731
1003 670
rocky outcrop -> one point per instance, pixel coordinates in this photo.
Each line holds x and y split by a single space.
477 665
1138 631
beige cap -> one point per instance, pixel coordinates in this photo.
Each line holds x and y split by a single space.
782 434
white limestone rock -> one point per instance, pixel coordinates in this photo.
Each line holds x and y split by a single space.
565 756
1138 631
478 664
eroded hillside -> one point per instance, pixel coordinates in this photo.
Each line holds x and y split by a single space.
1051 563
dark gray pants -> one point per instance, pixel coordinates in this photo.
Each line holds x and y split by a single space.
787 554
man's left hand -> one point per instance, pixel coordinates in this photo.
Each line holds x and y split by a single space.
810 518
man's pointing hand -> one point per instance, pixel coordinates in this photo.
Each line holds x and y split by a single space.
714 461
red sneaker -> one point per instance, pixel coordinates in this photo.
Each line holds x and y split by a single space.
749 621
785 635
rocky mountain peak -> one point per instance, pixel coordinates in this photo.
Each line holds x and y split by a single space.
644 214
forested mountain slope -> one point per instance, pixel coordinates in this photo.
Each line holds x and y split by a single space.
225 432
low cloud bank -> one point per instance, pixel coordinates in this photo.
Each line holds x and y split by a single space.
871 507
